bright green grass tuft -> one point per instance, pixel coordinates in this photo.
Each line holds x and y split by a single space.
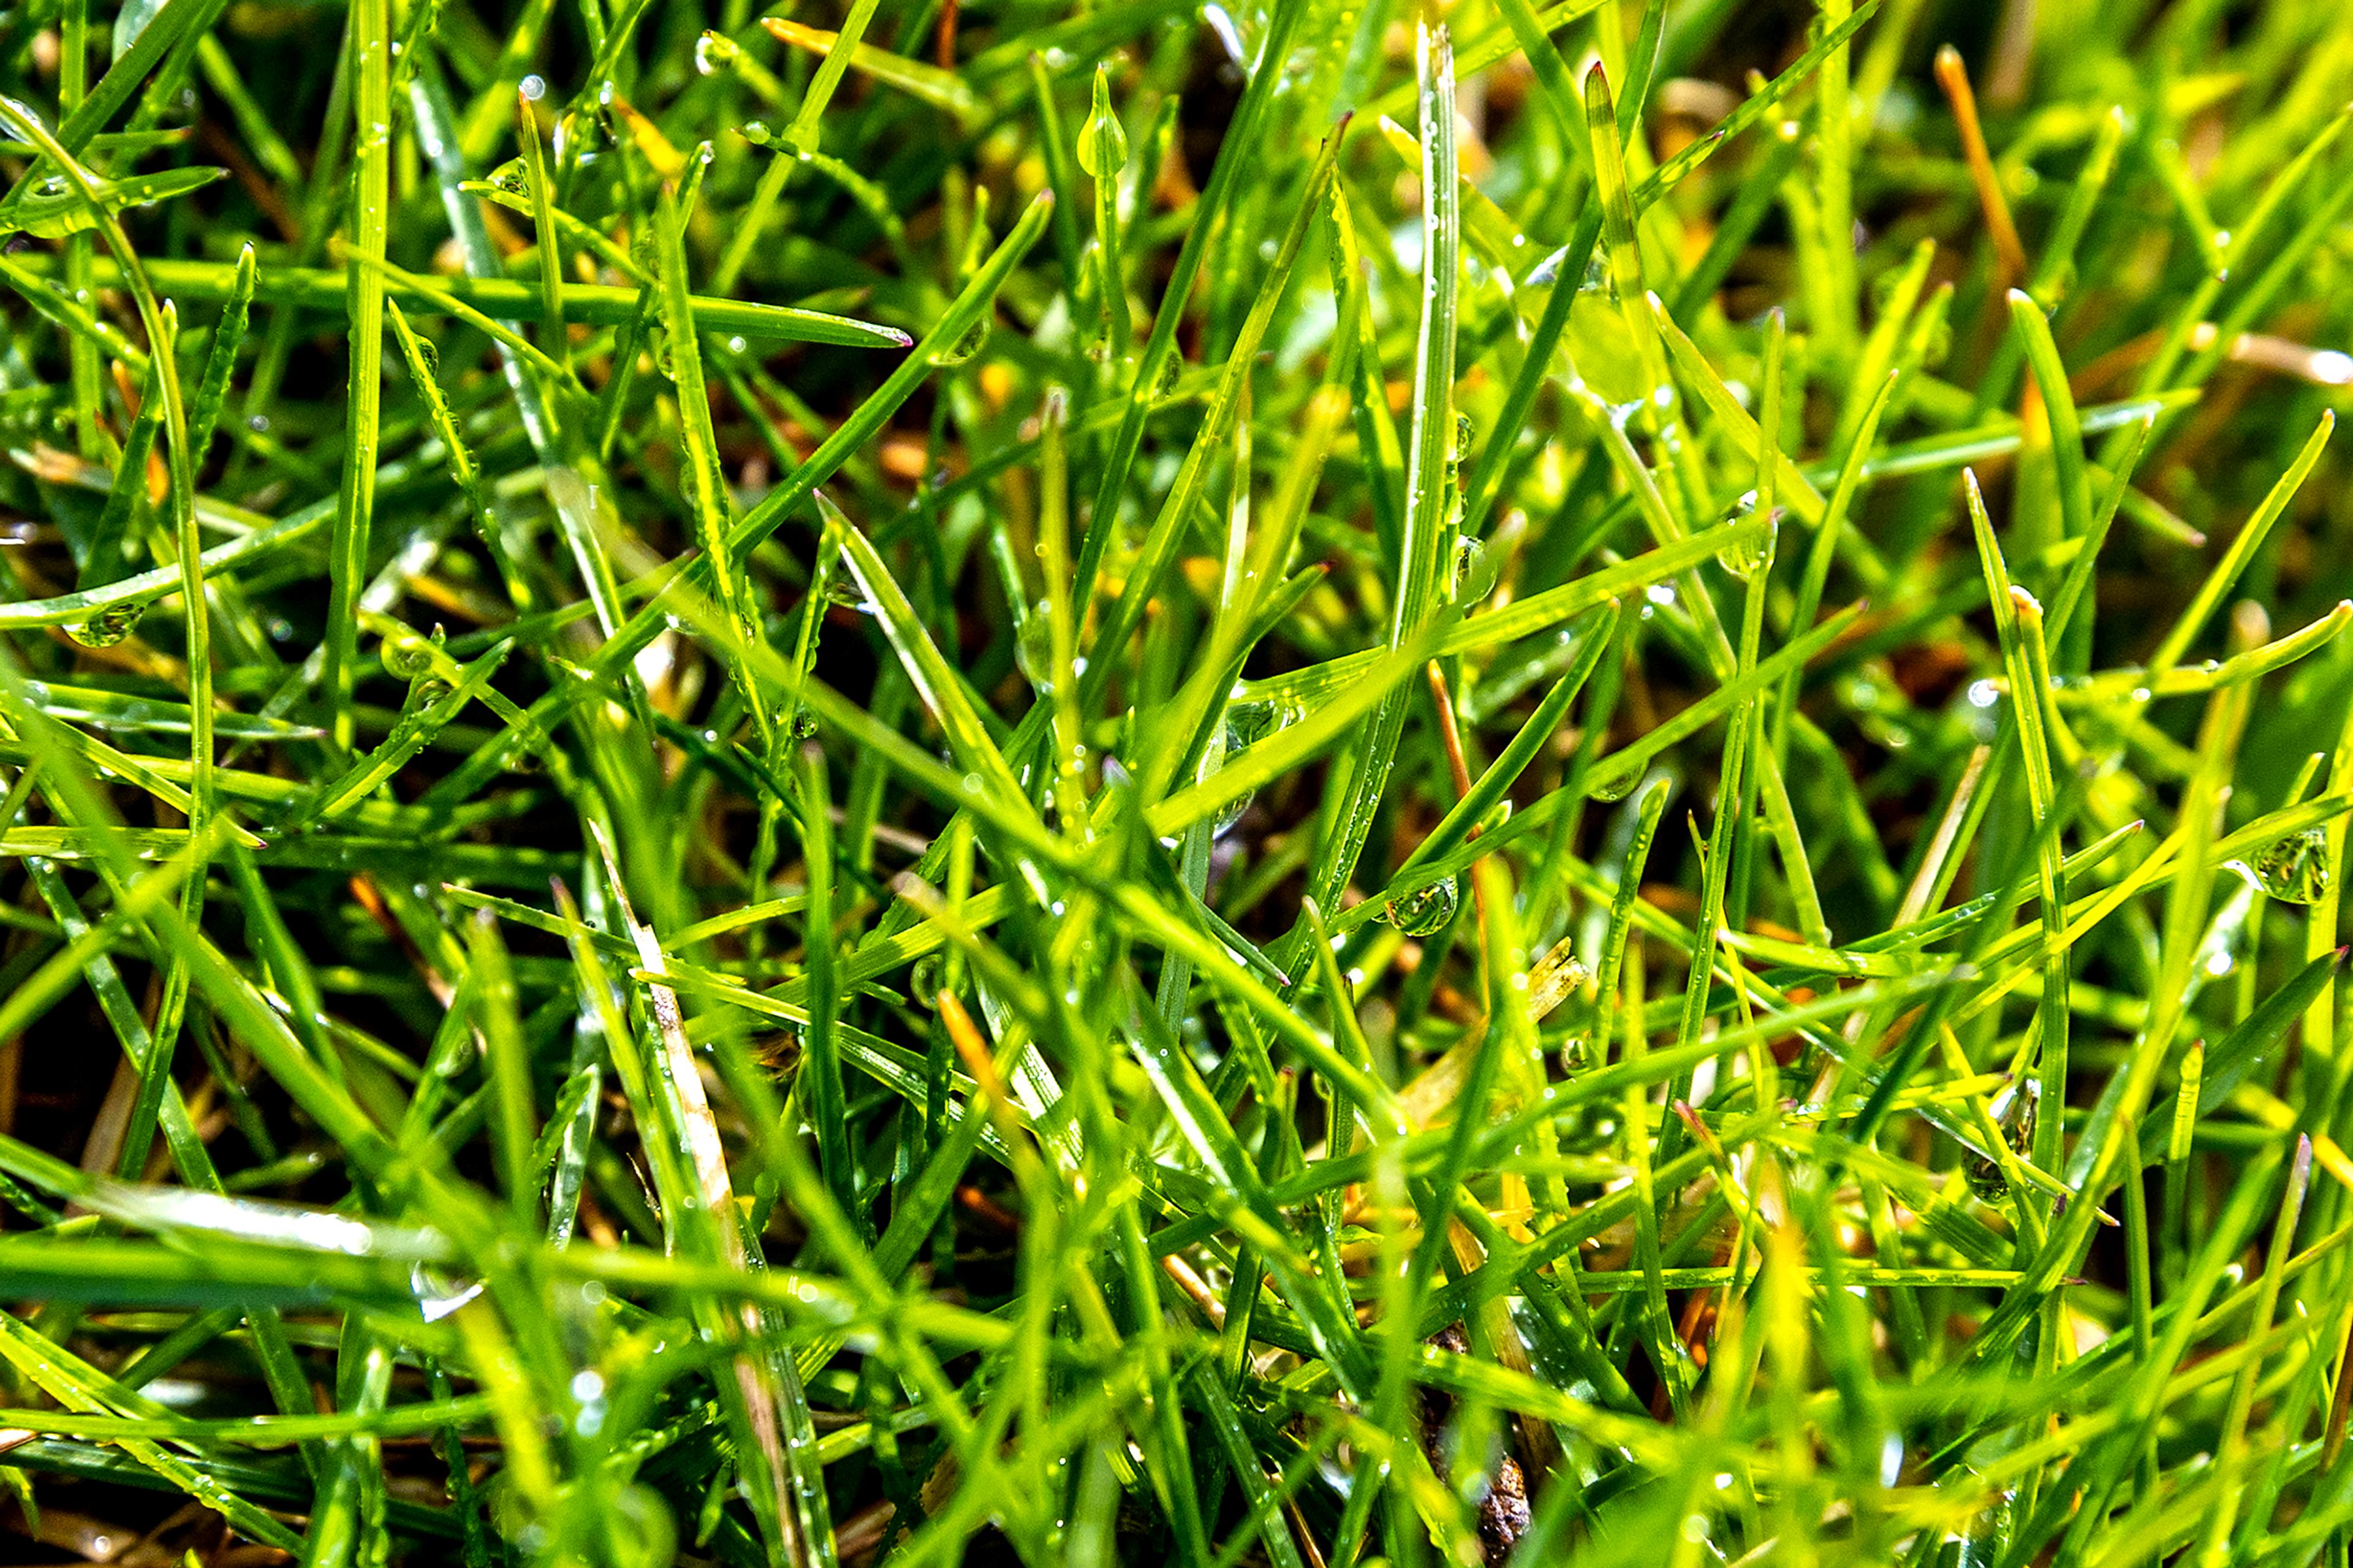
1281 784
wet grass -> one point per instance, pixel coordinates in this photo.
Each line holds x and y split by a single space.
1295 786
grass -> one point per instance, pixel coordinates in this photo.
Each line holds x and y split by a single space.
1297 787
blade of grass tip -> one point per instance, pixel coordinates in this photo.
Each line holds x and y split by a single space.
515 1123
2188 899
1760 565
1877 356
1824 547
766 1405
2054 271
104 561
2226 571
1426 543
220 360
1237 159
1060 178
422 360
803 132
935 681
1597 633
707 490
2073 586
410 734
554 340
2059 408
371 202
1621 243
1735 796
1160 544
1102 154
818 1085
1253 593
2018 620
2009 252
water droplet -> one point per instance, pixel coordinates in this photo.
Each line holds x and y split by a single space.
109 627
1612 783
510 177
1424 911
637 1530
1247 723
2294 869
1744 558
2013 1112
534 88
924 977
712 52
975 339
1103 144
1474 571
407 655
437 1295
1465 435
1033 650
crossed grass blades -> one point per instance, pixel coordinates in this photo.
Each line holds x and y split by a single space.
1281 784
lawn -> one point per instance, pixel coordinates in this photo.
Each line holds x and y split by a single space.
1297 784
